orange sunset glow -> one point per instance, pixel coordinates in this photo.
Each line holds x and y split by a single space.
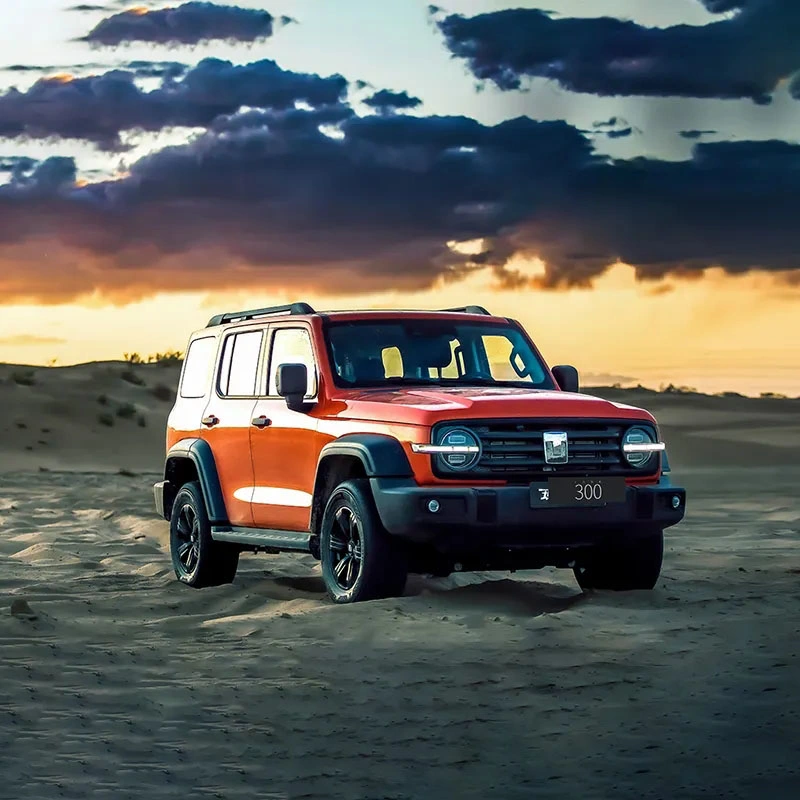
716 334
639 222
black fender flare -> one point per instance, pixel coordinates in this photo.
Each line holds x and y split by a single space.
199 452
381 455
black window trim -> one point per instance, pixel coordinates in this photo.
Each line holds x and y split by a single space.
213 361
500 322
232 332
266 374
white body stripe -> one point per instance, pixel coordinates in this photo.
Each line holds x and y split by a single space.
274 496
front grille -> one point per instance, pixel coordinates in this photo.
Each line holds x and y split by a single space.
513 449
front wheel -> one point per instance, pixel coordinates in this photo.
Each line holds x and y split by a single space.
360 560
633 562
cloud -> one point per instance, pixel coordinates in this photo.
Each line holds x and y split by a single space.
721 6
386 100
743 56
98 108
605 379
141 69
696 134
18 166
29 340
612 122
157 69
265 199
188 24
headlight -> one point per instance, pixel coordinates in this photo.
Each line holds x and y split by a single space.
639 446
457 449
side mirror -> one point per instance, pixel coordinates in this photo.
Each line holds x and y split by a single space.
292 380
566 377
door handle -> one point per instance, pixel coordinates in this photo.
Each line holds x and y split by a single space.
261 422
210 421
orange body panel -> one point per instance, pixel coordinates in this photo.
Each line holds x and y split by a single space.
285 461
230 443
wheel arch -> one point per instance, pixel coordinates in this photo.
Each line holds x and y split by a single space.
193 459
356 455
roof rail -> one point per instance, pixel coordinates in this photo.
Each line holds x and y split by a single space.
292 308
470 310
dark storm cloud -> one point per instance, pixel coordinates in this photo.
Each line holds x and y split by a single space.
141 69
189 23
290 120
696 134
99 108
744 56
733 205
609 123
386 100
721 6
267 199
157 69
16 166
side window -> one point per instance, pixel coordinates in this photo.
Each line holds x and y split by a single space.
292 346
239 364
197 369
505 363
392 362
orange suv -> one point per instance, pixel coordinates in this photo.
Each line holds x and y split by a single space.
389 442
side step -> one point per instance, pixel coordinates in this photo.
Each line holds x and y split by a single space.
263 537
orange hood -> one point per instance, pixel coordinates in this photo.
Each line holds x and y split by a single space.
425 406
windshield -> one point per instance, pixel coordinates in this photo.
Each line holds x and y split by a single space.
433 352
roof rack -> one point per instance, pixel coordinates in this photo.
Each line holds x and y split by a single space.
469 310
292 308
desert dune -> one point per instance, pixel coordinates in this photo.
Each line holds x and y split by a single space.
118 682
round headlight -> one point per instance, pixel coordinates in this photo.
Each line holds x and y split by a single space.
466 449
638 458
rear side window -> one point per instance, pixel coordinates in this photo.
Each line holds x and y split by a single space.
239 365
198 366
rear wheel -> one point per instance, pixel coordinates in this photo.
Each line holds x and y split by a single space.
196 558
634 562
360 560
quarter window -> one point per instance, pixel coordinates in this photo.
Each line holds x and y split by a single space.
198 366
292 346
239 364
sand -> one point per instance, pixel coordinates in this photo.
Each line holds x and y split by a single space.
116 681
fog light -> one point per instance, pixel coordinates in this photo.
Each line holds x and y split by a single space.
676 501
433 506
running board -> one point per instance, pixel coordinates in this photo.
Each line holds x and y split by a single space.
263 537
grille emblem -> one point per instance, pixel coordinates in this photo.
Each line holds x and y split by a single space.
555 447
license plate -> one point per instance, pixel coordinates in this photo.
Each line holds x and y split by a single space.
577 492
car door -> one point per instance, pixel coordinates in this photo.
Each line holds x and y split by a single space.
228 416
284 442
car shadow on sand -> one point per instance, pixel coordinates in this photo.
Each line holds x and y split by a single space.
467 592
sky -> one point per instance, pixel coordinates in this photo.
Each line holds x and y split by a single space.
622 176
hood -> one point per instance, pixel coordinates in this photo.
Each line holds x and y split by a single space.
425 406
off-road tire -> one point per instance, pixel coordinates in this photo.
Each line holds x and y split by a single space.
210 563
383 565
632 562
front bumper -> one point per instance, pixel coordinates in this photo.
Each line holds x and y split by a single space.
503 516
